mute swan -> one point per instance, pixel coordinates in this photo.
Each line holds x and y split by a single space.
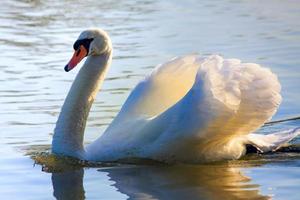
190 109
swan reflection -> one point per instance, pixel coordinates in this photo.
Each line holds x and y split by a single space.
165 182
68 185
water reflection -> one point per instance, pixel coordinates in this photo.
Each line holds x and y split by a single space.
165 182
68 185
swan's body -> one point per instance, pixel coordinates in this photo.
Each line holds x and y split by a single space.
191 109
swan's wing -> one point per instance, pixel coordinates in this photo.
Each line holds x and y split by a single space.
228 99
165 86
195 111
273 141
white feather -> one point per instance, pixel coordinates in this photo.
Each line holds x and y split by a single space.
192 109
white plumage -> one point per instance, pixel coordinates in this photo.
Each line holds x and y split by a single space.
193 109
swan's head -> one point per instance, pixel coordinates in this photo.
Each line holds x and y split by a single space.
91 42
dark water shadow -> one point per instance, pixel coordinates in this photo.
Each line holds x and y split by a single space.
68 185
184 182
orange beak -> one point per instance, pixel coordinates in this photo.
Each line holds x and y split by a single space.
78 55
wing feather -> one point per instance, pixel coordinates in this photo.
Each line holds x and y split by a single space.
194 108
227 101
165 86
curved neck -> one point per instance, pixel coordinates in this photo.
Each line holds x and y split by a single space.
69 130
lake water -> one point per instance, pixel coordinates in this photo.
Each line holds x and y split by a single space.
36 39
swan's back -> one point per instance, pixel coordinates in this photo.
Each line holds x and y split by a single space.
192 108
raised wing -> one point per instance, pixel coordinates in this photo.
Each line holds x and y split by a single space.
228 100
193 109
164 87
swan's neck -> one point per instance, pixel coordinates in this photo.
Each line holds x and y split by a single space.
69 130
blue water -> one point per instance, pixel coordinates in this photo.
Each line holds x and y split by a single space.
36 39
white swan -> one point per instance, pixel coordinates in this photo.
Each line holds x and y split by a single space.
190 109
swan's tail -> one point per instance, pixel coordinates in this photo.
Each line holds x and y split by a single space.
272 142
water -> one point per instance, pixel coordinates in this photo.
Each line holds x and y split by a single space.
36 39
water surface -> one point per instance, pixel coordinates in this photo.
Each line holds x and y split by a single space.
36 39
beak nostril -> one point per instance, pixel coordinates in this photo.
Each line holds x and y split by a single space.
78 52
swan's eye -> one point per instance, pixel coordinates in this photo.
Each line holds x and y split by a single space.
85 42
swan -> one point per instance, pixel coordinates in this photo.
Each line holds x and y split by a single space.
190 109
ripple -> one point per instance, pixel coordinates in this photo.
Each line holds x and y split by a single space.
36 41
